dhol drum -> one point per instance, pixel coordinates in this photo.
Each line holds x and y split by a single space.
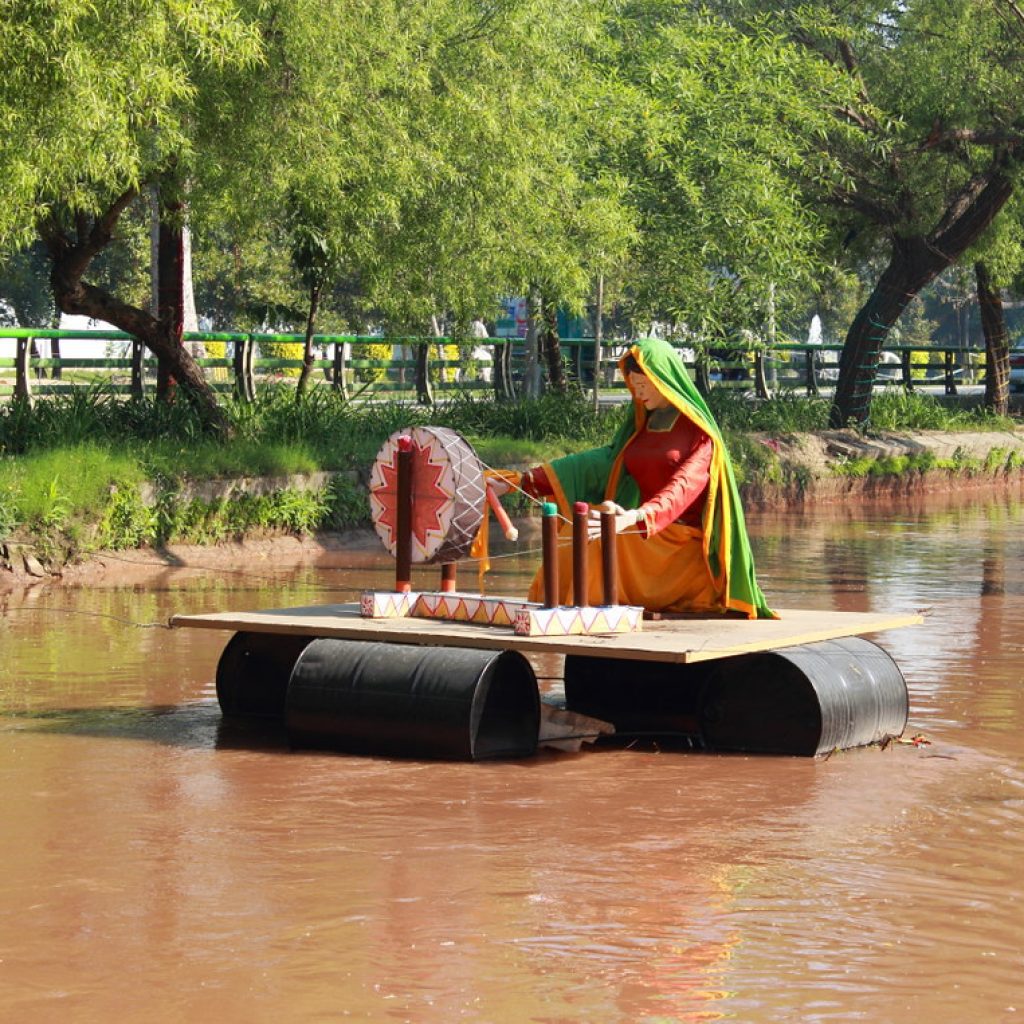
448 494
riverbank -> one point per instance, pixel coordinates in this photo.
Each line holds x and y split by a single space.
792 472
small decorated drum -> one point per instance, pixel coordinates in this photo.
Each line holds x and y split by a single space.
448 494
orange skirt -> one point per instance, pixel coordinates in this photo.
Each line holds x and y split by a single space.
663 573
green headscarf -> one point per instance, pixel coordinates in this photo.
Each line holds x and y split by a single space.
600 474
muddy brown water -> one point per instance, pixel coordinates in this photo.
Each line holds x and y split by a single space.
159 865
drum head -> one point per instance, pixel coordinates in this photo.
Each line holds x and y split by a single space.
447 488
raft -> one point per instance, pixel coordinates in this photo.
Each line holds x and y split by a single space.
804 684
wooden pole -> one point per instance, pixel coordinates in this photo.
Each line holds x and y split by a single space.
403 524
549 557
609 555
580 523
511 533
448 570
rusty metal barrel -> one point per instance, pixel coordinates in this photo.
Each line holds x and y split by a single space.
366 697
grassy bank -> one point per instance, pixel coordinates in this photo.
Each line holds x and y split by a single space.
90 471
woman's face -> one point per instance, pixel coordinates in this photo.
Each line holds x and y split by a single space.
646 393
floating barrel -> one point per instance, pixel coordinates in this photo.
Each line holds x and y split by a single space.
804 700
377 698
253 673
652 698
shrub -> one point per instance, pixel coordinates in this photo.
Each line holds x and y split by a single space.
292 350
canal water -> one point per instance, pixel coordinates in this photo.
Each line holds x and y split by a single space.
159 865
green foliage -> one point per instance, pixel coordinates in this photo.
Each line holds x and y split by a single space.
82 123
283 350
785 413
728 125
377 351
126 522
897 409
348 505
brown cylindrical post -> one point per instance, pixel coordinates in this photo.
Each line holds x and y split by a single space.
448 577
580 523
403 524
609 554
549 537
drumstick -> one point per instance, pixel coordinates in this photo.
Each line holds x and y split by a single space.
511 533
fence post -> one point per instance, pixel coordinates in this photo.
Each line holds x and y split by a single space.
242 366
811 370
22 362
338 370
908 380
761 374
950 379
424 393
502 371
138 384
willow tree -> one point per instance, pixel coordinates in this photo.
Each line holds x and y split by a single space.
446 167
99 100
937 119
720 126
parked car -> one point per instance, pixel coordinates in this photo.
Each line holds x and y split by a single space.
1017 365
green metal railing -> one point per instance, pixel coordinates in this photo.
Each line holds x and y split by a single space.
430 364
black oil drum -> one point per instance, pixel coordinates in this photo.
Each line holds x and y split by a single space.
805 700
253 673
657 699
400 700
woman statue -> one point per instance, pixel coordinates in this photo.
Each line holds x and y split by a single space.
682 540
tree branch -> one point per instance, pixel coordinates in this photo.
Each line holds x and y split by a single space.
971 136
103 226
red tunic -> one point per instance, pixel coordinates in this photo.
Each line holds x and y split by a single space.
671 467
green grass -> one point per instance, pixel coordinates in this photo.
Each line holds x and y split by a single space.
71 467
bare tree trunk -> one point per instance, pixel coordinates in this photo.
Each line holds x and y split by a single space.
915 262
70 260
170 292
307 349
532 377
598 338
551 346
997 342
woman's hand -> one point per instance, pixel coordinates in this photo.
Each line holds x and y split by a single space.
499 485
624 518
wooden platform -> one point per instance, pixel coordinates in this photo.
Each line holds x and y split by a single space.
681 640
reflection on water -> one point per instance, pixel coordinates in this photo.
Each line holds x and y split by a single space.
162 865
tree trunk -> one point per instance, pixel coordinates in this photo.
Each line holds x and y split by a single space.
915 262
997 343
307 350
551 346
532 377
598 338
170 292
504 386
70 260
